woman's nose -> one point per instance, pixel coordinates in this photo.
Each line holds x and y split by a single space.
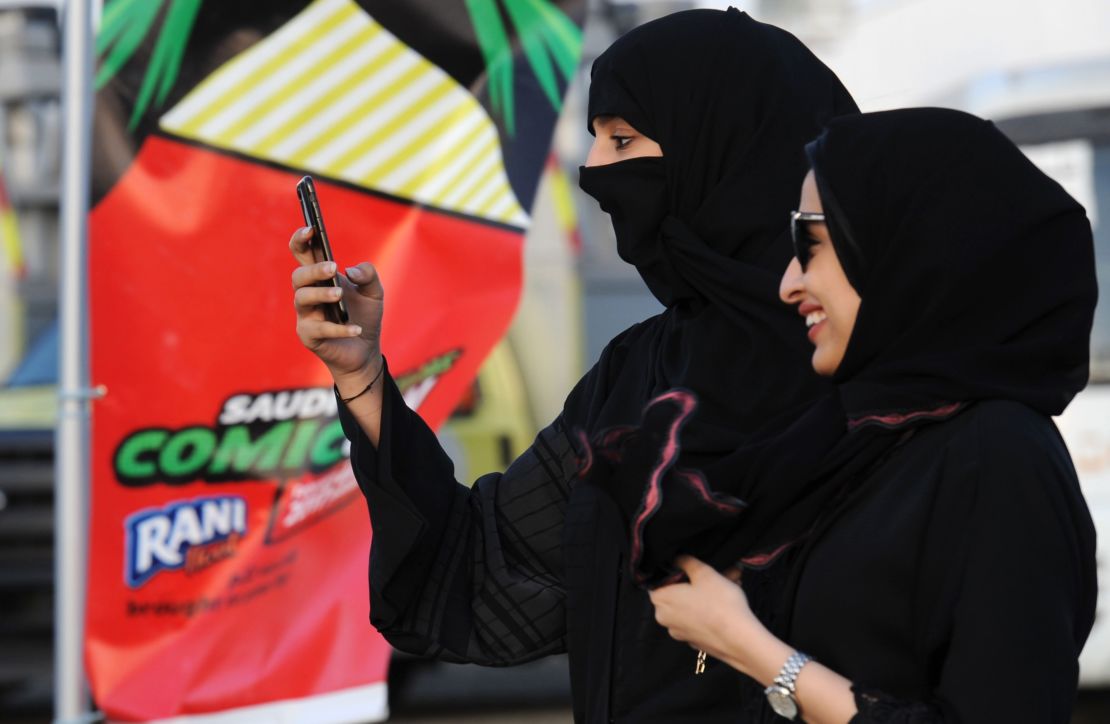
791 289
597 155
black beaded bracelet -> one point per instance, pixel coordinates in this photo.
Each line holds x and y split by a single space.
367 388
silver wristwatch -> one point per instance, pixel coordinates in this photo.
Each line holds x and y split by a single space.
780 694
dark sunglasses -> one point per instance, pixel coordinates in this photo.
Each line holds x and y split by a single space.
801 235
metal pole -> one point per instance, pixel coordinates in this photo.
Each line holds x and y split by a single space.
71 448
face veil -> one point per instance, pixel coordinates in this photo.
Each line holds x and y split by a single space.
731 102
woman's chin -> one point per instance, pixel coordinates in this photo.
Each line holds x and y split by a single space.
825 362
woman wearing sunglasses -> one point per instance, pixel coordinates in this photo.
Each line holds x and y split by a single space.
948 289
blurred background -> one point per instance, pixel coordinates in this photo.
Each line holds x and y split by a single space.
1040 70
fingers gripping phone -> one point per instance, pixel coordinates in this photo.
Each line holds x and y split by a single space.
321 248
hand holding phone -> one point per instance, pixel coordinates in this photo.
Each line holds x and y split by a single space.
321 248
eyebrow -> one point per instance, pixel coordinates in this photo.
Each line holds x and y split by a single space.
603 119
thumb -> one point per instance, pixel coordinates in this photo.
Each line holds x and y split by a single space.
364 277
691 566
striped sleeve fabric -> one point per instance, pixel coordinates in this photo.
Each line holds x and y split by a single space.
466 574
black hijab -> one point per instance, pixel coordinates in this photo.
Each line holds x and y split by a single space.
975 269
976 275
731 102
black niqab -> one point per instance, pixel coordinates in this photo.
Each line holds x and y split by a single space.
731 102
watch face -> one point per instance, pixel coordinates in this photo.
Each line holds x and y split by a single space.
782 702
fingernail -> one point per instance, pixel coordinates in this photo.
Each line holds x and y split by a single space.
337 293
329 268
354 272
355 330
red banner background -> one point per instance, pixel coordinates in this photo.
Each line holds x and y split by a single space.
191 304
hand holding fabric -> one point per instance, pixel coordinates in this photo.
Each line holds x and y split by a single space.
708 612
711 613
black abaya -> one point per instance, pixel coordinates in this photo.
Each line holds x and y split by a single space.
949 569
958 583
529 563
522 565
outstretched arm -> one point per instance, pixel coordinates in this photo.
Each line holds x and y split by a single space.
470 574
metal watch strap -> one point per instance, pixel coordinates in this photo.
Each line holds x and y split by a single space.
790 670
780 694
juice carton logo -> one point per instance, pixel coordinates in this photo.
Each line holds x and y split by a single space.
186 534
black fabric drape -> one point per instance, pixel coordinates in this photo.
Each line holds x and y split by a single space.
530 562
976 273
958 582
731 102
976 270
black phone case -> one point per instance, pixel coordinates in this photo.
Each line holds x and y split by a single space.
321 248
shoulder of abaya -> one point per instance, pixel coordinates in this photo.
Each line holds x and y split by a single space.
592 390
633 336
996 436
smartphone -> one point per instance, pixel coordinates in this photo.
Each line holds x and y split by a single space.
321 247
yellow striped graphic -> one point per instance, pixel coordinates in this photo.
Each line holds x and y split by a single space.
268 69
336 94
478 186
306 76
333 96
454 185
389 130
440 165
345 124
427 138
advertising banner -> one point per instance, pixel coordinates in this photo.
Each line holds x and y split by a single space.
229 543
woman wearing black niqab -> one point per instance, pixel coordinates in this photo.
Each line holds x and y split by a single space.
530 563
949 291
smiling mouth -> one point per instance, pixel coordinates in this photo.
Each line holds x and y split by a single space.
815 317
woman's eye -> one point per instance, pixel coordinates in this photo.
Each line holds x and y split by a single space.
622 141
807 245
